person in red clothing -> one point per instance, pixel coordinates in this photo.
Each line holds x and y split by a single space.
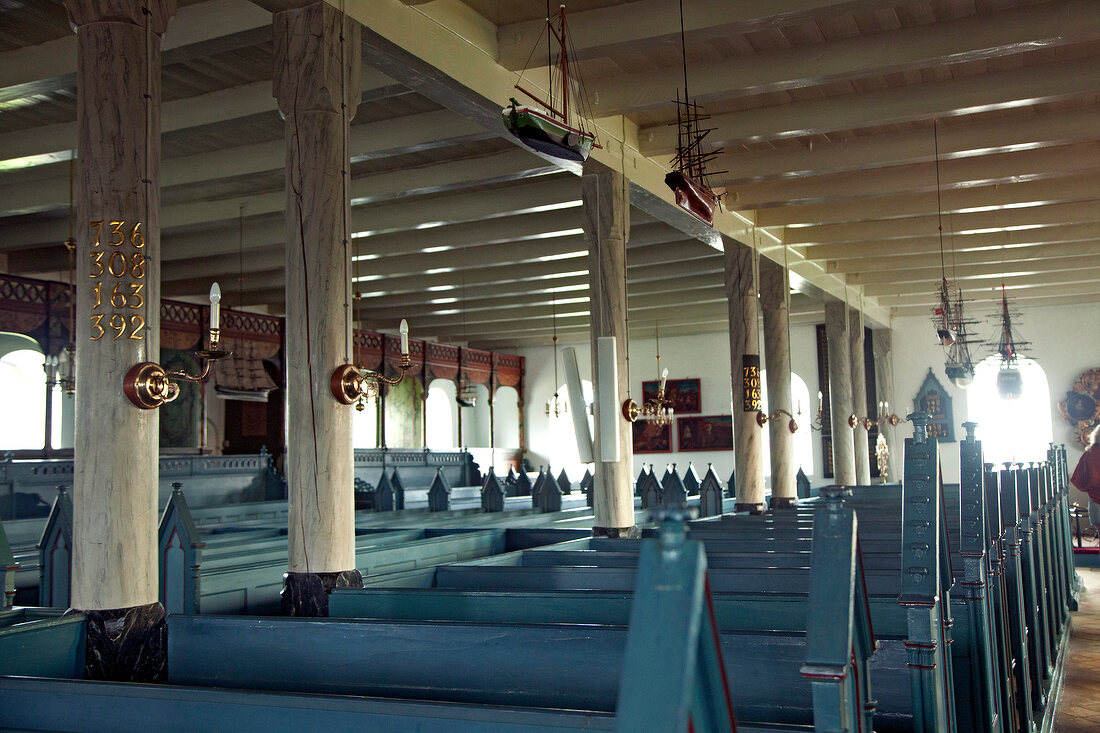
1086 476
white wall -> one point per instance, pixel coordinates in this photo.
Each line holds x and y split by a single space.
1064 341
705 356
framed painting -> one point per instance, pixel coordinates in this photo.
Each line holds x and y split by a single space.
933 399
682 393
649 437
710 432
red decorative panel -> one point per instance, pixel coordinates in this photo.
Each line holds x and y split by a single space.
24 304
367 349
509 370
442 362
477 366
182 325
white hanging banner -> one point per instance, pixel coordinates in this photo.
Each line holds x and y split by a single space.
607 387
577 407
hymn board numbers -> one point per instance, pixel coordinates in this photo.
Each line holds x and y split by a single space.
117 264
750 371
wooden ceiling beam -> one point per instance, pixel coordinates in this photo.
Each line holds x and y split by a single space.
959 96
1028 192
842 189
966 39
835 255
958 139
960 224
644 24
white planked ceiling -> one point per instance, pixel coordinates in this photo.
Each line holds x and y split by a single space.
825 110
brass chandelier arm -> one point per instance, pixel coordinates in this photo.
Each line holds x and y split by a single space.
762 419
350 383
148 385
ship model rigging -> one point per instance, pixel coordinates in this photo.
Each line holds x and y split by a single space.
953 331
1009 382
952 325
689 178
550 130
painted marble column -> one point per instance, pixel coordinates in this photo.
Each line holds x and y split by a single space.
859 397
317 62
840 391
116 445
882 343
774 286
748 456
606 221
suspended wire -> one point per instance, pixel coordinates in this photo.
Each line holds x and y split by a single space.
240 258
939 205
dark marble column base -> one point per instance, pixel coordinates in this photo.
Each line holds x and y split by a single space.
750 508
784 502
617 533
126 644
306 594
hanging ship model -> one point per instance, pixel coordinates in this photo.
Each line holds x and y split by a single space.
549 129
1009 382
688 178
953 332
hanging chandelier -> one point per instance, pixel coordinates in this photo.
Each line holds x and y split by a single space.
658 410
556 404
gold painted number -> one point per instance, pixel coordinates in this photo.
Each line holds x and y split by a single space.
136 237
136 299
118 298
117 264
137 325
116 228
118 322
98 292
98 227
97 262
137 265
97 326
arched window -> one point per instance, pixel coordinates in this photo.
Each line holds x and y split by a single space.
563 438
441 414
506 418
23 394
475 420
803 440
364 426
1016 430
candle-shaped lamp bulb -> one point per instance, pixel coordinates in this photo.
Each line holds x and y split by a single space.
215 307
404 337
664 377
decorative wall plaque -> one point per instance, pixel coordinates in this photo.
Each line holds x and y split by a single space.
933 399
1081 406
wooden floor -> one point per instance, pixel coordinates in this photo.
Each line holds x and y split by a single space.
1079 708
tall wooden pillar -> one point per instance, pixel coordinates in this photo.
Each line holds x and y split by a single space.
606 222
883 345
317 62
840 391
859 397
748 456
774 286
116 447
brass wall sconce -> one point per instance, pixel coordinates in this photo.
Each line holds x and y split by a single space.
762 419
659 410
884 417
818 422
354 385
149 385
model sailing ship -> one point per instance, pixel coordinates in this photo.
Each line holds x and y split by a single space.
1009 382
952 329
550 131
689 177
